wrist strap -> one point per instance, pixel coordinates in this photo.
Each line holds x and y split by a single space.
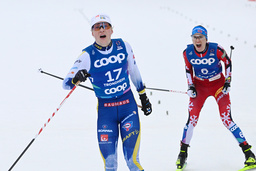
142 91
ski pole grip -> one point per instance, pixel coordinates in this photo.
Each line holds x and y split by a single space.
77 83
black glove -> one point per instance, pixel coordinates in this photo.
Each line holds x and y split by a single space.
146 105
192 91
81 76
226 88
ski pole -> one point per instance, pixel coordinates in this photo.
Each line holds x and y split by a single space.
232 48
40 70
31 142
172 91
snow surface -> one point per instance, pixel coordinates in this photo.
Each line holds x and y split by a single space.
50 34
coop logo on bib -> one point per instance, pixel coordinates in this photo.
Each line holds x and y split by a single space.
116 89
110 60
202 61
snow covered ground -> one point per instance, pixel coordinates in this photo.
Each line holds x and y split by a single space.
50 34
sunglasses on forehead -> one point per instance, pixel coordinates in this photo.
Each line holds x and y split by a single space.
98 26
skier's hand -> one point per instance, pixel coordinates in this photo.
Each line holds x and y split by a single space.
81 76
146 105
226 88
191 91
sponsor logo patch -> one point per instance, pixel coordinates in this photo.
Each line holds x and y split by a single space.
104 137
117 103
128 125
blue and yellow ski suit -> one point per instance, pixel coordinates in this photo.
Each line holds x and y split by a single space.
110 68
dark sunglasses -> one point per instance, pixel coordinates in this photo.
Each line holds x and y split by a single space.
104 25
195 37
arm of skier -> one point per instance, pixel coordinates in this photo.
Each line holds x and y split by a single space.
137 80
188 68
222 55
189 74
82 63
133 69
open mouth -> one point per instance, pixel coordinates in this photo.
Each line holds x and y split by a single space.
198 45
103 36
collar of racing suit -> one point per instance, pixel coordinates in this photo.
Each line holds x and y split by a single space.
99 47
